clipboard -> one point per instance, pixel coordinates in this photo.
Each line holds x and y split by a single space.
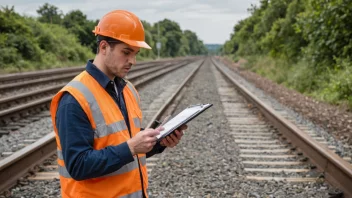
182 118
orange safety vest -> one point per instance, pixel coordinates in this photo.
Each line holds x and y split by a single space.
110 129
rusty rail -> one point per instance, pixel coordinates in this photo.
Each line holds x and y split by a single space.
35 74
152 73
65 74
337 171
21 162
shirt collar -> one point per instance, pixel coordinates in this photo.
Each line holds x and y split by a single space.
100 77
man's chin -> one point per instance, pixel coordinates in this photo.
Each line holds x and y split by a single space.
121 75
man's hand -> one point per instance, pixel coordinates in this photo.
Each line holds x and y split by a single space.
174 138
144 141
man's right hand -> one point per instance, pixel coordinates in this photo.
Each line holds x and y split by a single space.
144 141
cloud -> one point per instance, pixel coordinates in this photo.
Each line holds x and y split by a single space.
212 20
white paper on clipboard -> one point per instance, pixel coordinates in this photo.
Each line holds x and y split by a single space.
182 118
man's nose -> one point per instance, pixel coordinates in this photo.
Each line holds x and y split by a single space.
132 60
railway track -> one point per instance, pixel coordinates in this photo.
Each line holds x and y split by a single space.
35 75
14 100
283 148
31 81
341 148
13 108
271 146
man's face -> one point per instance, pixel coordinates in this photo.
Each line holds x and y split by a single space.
119 59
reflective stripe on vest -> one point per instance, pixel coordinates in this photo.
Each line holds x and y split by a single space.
59 154
137 194
135 94
137 122
102 130
124 169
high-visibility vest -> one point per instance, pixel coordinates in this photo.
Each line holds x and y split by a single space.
110 129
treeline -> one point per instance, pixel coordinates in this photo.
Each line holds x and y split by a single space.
305 44
26 43
57 39
174 41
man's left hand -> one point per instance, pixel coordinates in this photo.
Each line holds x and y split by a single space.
174 138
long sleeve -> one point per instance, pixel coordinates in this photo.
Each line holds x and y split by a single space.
77 137
156 150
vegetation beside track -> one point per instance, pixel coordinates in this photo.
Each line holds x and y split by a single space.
303 44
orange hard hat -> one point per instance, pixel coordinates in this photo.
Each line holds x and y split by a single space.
124 26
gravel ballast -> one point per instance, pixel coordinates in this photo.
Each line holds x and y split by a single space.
206 162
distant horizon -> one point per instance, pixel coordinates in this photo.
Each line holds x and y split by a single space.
212 44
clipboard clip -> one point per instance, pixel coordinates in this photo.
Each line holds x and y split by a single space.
158 123
155 124
196 105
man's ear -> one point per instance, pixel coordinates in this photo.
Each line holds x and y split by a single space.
103 46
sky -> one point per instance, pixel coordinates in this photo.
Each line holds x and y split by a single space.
211 20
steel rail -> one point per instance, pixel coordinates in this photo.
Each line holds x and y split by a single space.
34 74
8 113
169 101
21 162
336 170
23 96
68 74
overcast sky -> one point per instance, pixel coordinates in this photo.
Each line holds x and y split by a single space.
212 20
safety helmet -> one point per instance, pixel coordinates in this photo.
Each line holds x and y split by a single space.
124 26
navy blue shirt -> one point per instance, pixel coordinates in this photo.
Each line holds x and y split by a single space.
77 135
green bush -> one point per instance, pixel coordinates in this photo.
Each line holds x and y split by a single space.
27 44
339 87
301 77
8 57
274 69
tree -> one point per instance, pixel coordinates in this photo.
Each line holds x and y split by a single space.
77 23
283 41
50 14
170 32
326 25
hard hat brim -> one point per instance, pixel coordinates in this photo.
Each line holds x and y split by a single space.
141 44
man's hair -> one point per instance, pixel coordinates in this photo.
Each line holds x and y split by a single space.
112 42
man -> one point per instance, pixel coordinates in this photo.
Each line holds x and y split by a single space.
96 117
